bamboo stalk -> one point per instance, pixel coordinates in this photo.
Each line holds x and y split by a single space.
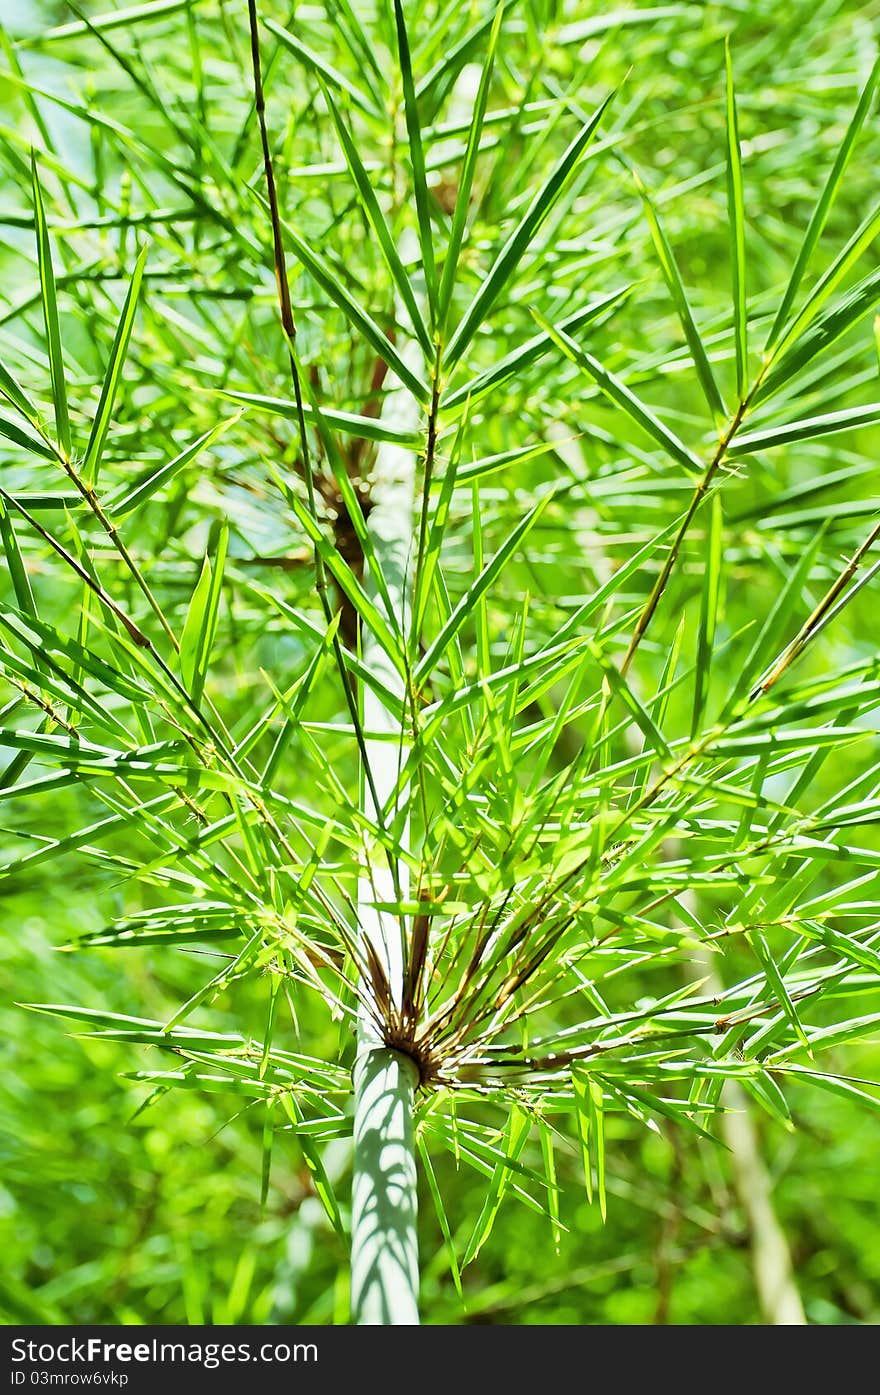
384 1242
384 1245
778 1295
777 1290
776 1286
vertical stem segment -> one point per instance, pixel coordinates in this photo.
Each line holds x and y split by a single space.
384 1247
778 1294
384 1258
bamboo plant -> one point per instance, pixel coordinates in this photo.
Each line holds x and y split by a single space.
423 617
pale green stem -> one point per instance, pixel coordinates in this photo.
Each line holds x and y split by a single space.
384 1258
384 1245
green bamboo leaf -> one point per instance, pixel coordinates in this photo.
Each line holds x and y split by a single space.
848 420
624 398
425 587
116 19
43 673
197 639
440 1211
342 574
839 1085
846 945
518 1128
823 207
658 706
49 499
77 751
117 1021
326 73
776 983
520 239
329 281
770 637
50 314
417 159
472 597
765 1090
619 686
530 352
466 178
199 921
590 27
44 639
829 281
101 423
672 276
743 742
320 1180
489 464
353 505
293 709
444 72
838 1034
387 245
644 1104
15 562
151 481
823 332
596 1103
15 393
360 46
737 225
13 432
580 1084
708 614
349 423
549 1159
466 1144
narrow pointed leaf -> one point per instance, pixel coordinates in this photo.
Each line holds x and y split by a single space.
823 207
417 157
363 428
625 398
12 389
101 423
472 597
849 420
708 615
154 480
520 240
736 220
13 432
387 244
672 277
528 353
466 178
517 1132
324 70
50 315
197 639
823 332
330 282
